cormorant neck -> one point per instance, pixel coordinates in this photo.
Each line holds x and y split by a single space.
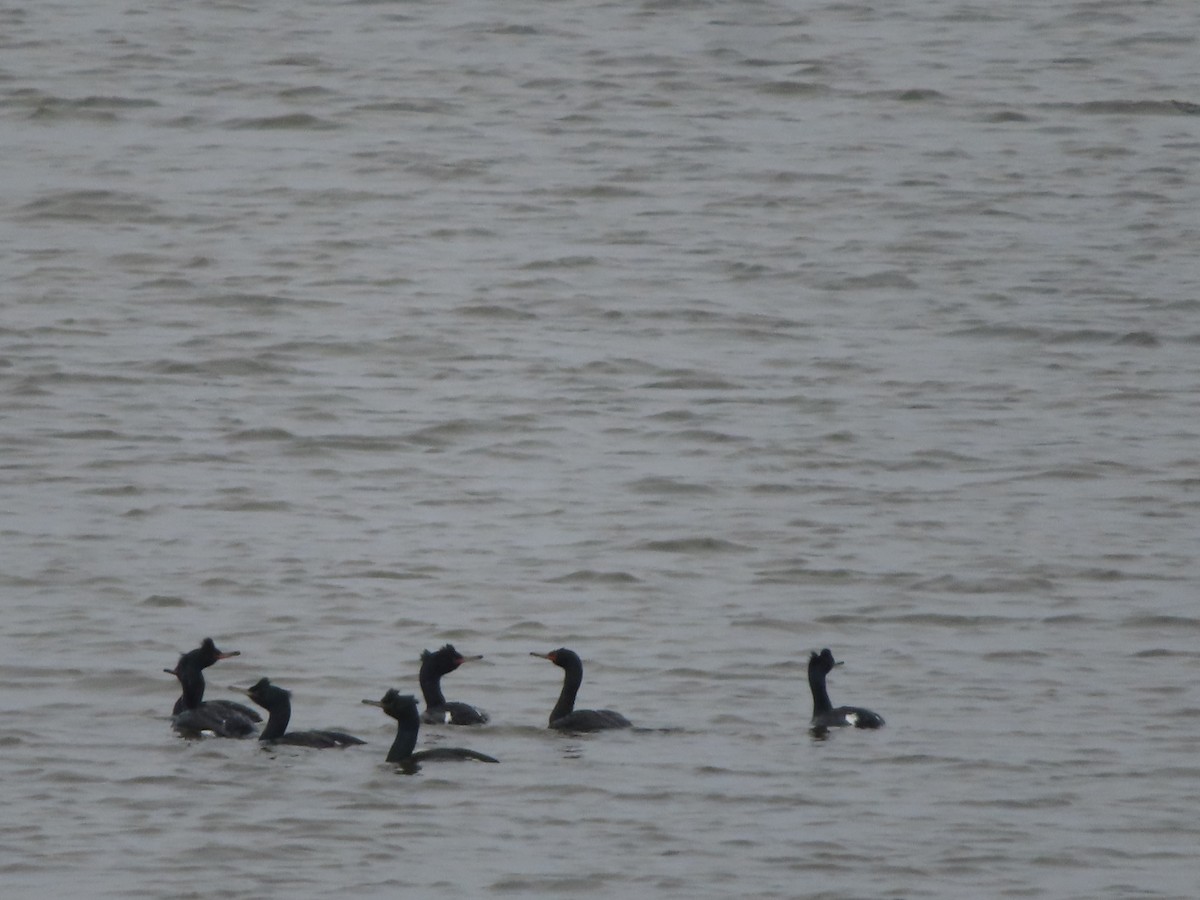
280 714
821 702
192 682
431 688
406 738
572 679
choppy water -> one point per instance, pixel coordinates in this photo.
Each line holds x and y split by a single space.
695 336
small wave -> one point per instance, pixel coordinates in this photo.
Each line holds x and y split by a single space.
1069 473
792 88
409 105
125 490
943 620
92 108
774 488
561 262
769 623
990 331
590 576
444 433
553 884
164 601
693 383
71 776
660 485
301 60
604 192
917 95
519 30
92 206
92 434
361 442
804 575
1039 802
494 311
1004 116
708 436
683 672
1063 336
261 434
286 122
259 303
890 278
386 575
1098 574
247 505
236 366
1078 336
1150 620
525 629
998 585
1137 107
740 271
692 545
1139 339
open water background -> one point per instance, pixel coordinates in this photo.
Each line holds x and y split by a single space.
691 335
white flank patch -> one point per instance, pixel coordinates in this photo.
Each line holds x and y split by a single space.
851 718
449 717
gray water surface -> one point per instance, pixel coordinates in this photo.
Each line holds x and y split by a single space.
693 336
